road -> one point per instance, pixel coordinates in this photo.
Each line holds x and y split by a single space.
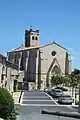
33 102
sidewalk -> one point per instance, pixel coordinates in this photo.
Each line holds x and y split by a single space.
16 96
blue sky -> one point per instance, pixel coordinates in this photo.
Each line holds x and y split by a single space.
57 20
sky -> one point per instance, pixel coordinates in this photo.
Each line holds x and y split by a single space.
57 20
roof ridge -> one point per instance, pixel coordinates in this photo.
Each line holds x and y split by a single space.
35 47
19 46
59 45
56 44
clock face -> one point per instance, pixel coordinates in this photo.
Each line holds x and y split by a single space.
53 53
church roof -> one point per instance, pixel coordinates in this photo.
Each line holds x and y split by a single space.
2 56
55 44
20 47
23 48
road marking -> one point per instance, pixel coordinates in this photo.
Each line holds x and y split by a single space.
35 97
22 97
51 105
52 99
37 105
71 107
75 105
36 100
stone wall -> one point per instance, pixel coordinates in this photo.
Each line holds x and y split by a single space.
8 72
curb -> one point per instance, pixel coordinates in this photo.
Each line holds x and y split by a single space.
75 105
65 114
17 103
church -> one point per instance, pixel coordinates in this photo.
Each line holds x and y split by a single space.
37 63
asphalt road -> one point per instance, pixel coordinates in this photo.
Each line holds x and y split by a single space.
34 102
37 98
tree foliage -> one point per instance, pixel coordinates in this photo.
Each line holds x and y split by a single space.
72 80
7 110
57 80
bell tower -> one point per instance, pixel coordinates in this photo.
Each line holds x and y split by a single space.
31 38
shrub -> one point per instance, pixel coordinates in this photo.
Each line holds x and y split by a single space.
7 110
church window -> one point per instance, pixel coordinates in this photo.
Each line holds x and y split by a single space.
56 70
32 37
36 38
53 53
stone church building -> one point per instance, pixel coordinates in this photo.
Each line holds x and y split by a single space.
37 63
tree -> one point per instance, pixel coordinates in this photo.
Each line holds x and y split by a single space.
54 81
74 80
75 72
58 80
7 110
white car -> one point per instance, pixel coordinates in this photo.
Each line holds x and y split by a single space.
56 93
65 99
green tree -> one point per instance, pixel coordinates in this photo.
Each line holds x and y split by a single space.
58 80
70 80
73 80
76 72
7 110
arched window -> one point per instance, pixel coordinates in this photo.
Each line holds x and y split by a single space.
36 38
56 70
32 37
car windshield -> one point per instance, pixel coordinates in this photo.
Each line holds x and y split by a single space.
57 90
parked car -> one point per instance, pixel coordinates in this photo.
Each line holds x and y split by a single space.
65 99
55 92
62 88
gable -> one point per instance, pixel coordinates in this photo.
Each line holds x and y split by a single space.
53 43
48 49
